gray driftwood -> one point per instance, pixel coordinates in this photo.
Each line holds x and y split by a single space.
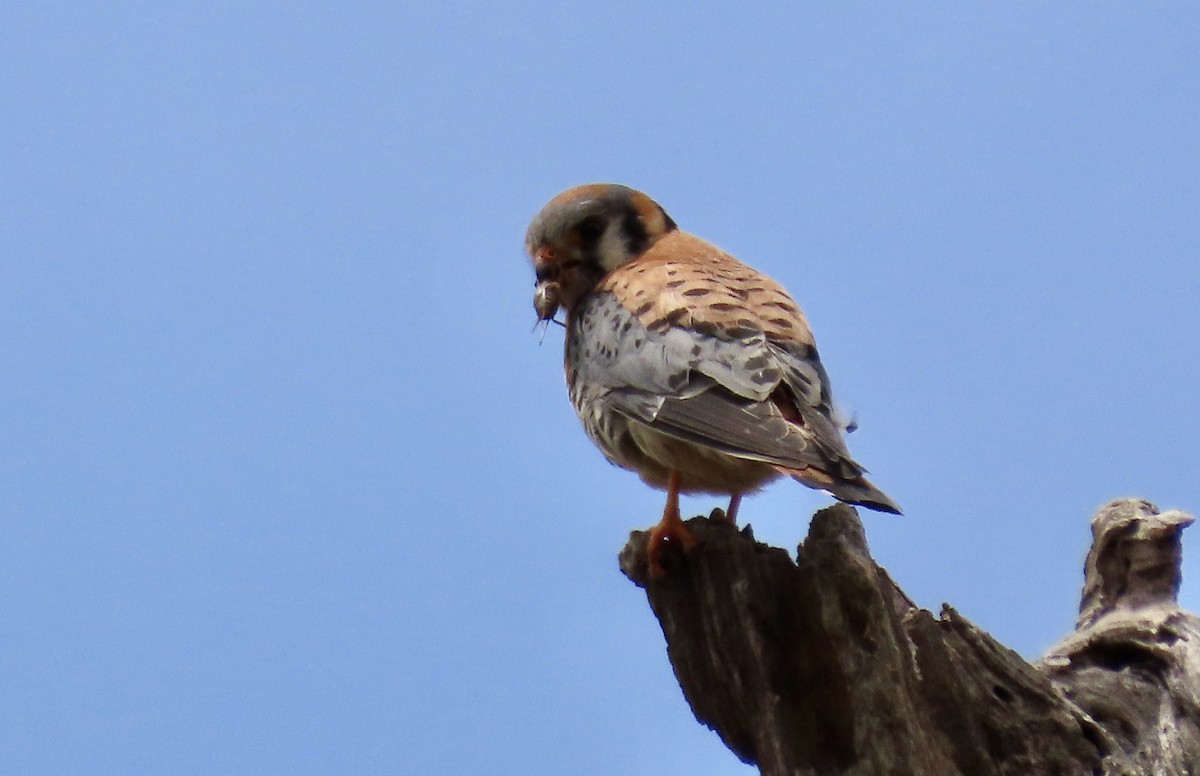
822 665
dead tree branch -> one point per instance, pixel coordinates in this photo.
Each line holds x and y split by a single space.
822 665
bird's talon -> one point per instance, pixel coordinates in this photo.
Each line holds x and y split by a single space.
668 532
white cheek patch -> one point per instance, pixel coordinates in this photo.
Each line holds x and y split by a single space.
612 250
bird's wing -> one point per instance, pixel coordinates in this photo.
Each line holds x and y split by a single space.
699 346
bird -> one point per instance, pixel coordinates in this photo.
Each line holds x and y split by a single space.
685 365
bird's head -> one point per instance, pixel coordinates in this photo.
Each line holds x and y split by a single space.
583 234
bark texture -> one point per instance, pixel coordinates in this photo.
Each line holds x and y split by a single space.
822 665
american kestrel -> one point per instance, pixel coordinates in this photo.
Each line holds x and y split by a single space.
684 364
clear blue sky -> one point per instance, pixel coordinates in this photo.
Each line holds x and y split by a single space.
287 484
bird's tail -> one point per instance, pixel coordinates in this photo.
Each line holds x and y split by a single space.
853 490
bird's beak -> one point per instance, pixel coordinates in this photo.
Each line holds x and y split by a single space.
543 258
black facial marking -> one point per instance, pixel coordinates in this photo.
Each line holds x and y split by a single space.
636 236
589 230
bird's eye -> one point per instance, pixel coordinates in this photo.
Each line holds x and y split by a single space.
590 229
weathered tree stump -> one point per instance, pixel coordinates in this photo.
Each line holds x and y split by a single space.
823 665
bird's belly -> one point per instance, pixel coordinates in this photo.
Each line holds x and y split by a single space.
653 454
702 469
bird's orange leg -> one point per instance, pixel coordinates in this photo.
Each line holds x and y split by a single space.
735 501
730 514
670 528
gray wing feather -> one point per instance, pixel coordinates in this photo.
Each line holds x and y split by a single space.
703 388
609 347
752 430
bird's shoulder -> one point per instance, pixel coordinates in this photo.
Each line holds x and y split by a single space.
686 282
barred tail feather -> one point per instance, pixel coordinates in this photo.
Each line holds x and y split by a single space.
858 490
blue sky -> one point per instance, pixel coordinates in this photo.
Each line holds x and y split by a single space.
289 486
